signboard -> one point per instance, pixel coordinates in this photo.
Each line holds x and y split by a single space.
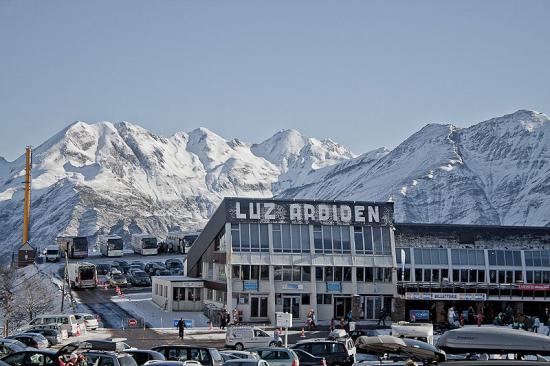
441 296
334 286
250 285
132 322
309 212
188 323
189 284
419 314
284 320
533 287
293 286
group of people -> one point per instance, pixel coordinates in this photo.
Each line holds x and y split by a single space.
458 319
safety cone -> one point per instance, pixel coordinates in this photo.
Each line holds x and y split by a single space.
210 328
303 335
78 330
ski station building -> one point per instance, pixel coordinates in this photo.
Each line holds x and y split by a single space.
263 256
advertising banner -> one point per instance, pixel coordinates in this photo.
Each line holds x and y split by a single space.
442 296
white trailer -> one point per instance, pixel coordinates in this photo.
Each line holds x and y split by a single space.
145 244
110 245
82 275
52 253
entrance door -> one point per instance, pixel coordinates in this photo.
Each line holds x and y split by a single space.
258 307
372 306
342 306
291 304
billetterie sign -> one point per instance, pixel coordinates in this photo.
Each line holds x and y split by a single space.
309 212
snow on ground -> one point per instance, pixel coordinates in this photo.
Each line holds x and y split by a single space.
143 306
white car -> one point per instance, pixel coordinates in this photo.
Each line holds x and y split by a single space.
243 337
90 320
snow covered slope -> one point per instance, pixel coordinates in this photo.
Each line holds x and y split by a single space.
495 172
120 178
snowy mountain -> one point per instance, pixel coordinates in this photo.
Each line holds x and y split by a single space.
120 178
495 172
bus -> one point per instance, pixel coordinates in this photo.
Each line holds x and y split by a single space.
181 241
145 244
110 245
73 246
82 275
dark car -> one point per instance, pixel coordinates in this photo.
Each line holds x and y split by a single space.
121 265
108 358
40 357
334 352
206 356
151 268
307 359
33 340
163 272
173 263
52 335
103 268
143 355
139 264
139 278
7 348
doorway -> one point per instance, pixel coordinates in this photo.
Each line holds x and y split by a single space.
342 306
291 304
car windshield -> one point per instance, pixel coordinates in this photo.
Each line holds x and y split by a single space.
89 317
87 273
140 274
52 251
149 243
115 244
127 361
80 243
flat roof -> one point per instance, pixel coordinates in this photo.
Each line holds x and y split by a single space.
179 278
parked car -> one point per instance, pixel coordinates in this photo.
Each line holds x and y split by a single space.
334 352
67 320
139 278
118 279
226 357
109 358
206 356
62 329
52 335
141 356
173 363
121 265
246 362
40 357
90 321
139 264
242 354
33 340
278 356
151 268
307 359
7 347
163 272
243 337
174 265
103 268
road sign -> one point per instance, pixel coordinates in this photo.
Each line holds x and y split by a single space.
132 322
284 320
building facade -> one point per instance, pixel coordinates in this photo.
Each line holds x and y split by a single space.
470 265
263 256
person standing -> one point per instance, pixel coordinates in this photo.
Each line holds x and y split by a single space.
181 327
536 324
479 317
382 317
222 319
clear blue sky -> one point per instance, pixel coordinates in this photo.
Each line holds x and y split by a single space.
363 73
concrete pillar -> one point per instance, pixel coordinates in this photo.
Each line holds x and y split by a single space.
398 309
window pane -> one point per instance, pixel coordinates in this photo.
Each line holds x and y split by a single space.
508 258
306 273
319 273
318 239
287 273
528 258
286 238
278 273
418 256
377 240
305 238
347 274
296 273
369 274
418 274
454 256
426 256
492 257
463 254
329 274
480 257
254 237
358 236
264 238
346 244
360 274
480 275
386 244
367 237
327 239
255 272
500 258
245 238
536 258
236 271
277 243
235 237
264 273
337 239
296 246
338 274
472 258
443 256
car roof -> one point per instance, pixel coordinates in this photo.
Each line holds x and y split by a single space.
180 346
239 360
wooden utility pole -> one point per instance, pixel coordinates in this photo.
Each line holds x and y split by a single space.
27 253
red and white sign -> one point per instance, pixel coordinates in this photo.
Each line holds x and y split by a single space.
533 287
132 322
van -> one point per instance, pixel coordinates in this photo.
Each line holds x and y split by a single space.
240 338
52 253
62 329
67 319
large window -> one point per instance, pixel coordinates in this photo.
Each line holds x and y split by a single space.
247 272
537 258
374 274
249 238
505 258
467 257
340 274
372 240
331 239
292 273
290 238
430 256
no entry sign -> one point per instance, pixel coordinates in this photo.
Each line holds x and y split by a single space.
132 322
